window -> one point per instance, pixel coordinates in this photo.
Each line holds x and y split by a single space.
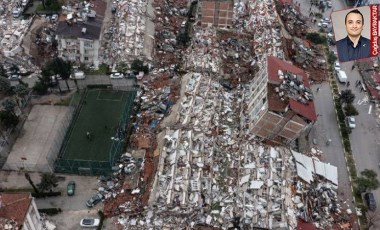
88 45
86 58
68 43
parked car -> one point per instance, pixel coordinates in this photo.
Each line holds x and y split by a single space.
71 188
351 122
117 75
78 75
54 17
337 66
370 200
14 77
89 222
94 200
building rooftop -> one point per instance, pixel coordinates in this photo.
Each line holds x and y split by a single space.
14 206
73 29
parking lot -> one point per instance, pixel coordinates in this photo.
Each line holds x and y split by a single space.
73 207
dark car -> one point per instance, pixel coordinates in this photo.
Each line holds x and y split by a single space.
94 200
370 199
71 188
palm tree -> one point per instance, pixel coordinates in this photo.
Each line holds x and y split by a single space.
27 176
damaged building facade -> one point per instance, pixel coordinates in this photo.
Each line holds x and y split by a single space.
79 37
280 102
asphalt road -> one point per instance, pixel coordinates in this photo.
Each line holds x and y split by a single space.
326 126
365 138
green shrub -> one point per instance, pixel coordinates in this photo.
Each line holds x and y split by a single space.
316 38
50 211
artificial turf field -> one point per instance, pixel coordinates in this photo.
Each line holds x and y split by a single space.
100 115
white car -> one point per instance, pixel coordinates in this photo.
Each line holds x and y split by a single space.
351 122
78 75
337 66
117 75
54 17
89 222
14 77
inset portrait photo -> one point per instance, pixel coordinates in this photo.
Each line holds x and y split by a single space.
356 32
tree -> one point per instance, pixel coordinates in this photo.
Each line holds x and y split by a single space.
48 182
122 67
41 86
2 129
138 65
3 72
316 38
8 119
9 105
5 85
59 67
346 96
367 181
51 5
331 58
21 90
27 176
350 110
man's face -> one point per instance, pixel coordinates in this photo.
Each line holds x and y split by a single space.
354 24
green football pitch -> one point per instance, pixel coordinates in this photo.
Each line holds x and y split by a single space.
99 115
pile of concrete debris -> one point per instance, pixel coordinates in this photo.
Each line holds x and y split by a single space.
211 171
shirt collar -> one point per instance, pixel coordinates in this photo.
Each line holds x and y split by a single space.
349 42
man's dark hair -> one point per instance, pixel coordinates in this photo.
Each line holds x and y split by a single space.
355 11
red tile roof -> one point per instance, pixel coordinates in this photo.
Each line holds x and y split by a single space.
305 110
275 64
15 206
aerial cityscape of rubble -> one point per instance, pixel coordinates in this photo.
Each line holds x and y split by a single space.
196 156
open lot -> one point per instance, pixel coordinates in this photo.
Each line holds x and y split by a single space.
73 207
38 138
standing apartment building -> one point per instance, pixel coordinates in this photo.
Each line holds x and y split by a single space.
79 39
279 102
19 211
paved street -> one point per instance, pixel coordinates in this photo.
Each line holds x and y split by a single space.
365 138
326 126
